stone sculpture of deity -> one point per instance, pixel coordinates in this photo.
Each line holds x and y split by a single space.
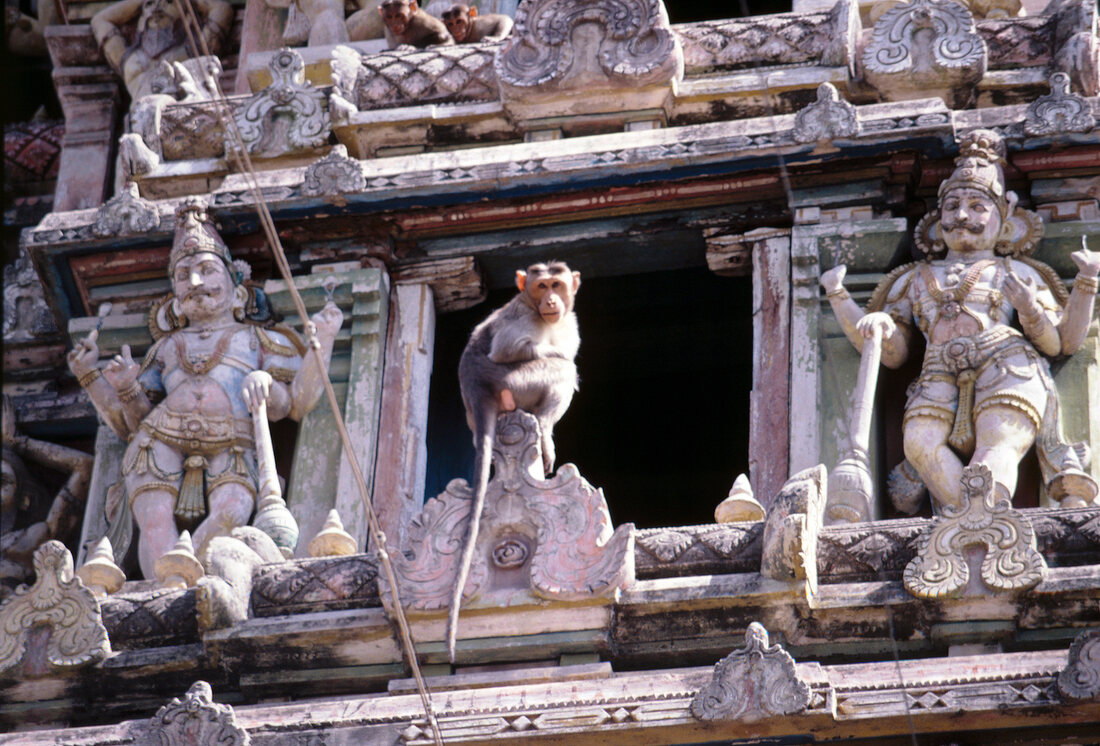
159 37
191 460
985 393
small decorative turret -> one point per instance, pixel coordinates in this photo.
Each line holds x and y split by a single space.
740 505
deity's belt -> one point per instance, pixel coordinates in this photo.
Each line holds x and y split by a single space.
964 359
198 436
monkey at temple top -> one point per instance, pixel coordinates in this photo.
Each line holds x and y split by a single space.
520 357
406 23
467 27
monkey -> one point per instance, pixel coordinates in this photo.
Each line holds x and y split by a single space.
406 23
467 27
520 357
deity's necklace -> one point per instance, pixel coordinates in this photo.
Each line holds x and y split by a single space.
199 364
950 300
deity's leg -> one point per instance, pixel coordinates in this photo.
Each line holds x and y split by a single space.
229 506
153 511
1002 436
147 465
925 445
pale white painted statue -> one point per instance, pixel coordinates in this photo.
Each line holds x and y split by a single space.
191 459
985 393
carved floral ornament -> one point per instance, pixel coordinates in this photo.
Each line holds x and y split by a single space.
126 214
59 601
1011 562
826 119
1080 679
636 47
756 682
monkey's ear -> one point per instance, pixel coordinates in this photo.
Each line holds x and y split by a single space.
576 281
521 279
473 11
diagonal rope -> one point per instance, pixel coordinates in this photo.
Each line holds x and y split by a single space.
239 153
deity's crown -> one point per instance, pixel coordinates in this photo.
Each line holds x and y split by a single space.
195 234
979 165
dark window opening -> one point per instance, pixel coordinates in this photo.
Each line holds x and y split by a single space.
661 419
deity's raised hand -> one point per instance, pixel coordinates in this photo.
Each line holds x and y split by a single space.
122 371
327 321
833 279
84 355
1087 261
1021 293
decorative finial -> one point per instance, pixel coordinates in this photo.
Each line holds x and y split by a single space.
99 572
740 505
332 540
179 568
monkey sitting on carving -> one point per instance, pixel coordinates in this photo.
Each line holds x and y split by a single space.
407 24
521 357
467 27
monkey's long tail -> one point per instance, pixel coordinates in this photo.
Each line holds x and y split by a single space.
487 427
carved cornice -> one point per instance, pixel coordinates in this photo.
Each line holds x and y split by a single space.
58 601
756 682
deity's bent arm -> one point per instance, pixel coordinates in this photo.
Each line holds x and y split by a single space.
1077 315
895 344
108 34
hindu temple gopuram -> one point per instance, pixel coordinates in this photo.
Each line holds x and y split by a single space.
379 373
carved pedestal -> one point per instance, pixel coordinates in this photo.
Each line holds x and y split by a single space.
539 538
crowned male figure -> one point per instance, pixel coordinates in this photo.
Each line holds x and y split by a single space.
191 460
985 394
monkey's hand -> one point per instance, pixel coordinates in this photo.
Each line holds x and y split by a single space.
833 279
876 320
84 355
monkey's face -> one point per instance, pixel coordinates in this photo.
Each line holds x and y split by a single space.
457 20
396 14
552 290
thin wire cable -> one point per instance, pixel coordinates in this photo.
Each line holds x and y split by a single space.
394 610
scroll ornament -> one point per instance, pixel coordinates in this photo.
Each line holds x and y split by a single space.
1059 111
1080 679
287 116
756 682
126 214
196 719
57 600
1011 562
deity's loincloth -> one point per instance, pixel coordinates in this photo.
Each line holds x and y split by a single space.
967 375
198 439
